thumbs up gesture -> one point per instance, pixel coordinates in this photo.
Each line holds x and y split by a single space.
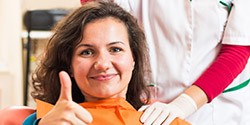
66 111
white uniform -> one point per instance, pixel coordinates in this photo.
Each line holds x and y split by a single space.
184 39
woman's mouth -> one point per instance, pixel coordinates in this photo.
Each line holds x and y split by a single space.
103 77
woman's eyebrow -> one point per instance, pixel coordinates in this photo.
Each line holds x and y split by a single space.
90 45
116 42
83 45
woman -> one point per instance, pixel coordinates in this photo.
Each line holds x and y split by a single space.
100 52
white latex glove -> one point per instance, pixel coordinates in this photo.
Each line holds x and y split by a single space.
160 113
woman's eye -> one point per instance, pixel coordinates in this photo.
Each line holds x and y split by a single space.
115 49
87 52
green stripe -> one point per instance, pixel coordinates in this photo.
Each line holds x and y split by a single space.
151 85
240 86
229 7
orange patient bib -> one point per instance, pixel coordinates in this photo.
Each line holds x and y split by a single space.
107 112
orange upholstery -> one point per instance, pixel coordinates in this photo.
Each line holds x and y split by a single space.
15 115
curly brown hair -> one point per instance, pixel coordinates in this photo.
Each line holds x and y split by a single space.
68 34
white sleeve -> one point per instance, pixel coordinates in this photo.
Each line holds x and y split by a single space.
129 5
237 30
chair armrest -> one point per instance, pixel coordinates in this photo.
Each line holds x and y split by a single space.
15 115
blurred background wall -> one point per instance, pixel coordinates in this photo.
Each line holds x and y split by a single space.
12 45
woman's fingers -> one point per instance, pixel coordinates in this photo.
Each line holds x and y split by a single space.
82 114
65 93
66 111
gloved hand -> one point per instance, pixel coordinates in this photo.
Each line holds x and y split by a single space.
160 113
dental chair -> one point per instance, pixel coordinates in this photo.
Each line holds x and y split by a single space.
15 115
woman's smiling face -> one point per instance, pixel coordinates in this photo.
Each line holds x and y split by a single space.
102 63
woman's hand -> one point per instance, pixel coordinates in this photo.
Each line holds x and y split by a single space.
66 112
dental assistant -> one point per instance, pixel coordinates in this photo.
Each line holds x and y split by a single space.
199 52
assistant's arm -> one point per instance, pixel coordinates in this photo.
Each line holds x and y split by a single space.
229 63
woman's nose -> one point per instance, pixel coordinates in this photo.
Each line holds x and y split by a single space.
102 62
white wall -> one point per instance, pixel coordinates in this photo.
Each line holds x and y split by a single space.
11 25
48 4
11 81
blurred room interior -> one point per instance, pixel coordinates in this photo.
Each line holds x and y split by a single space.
21 45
